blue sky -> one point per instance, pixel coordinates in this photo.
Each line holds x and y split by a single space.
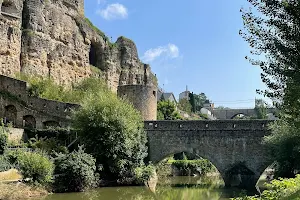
194 43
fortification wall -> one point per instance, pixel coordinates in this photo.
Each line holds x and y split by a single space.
16 106
143 98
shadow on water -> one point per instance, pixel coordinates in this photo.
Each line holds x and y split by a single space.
175 188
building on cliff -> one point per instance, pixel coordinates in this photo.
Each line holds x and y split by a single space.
53 39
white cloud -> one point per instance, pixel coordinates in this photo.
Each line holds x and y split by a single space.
113 11
170 50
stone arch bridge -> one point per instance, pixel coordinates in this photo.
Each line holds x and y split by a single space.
231 113
233 146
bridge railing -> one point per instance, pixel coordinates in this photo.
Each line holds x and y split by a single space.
208 125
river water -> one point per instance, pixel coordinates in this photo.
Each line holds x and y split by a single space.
173 188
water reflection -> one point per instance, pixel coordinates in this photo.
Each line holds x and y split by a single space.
177 188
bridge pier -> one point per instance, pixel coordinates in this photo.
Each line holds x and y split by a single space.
241 181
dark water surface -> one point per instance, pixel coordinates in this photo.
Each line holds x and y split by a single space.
174 188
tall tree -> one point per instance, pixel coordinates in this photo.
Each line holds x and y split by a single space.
272 29
185 105
261 109
166 110
197 101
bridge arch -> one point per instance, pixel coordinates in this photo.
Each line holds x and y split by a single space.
50 124
29 121
239 116
10 114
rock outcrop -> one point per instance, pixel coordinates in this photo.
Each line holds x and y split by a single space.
52 38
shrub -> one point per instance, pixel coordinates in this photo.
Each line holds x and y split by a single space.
3 139
144 173
112 131
35 166
187 167
50 145
284 145
278 189
5 164
48 89
166 110
75 171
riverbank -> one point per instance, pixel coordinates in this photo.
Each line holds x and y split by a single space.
288 189
20 191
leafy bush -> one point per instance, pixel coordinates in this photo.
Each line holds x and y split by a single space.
50 145
3 139
75 171
187 167
166 110
144 173
112 131
278 189
48 89
284 143
34 166
5 164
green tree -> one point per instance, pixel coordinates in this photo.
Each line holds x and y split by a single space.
221 108
192 101
112 131
185 105
272 30
75 171
261 109
197 101
166 110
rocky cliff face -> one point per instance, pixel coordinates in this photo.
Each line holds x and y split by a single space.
52 38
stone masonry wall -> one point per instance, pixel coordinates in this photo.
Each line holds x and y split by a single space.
14 95
143 98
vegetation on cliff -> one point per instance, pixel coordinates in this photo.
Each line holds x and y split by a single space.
48 89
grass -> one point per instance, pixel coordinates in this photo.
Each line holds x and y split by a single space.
102 34
20 191
10 175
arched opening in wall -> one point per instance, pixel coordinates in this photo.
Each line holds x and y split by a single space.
50 124
240 116
29 121
10 114
95 55
9 7
186 169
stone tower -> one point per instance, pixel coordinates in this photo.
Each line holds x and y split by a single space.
142 94
143 98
